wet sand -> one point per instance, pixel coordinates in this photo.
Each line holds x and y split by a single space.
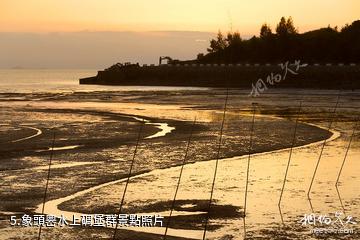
106 132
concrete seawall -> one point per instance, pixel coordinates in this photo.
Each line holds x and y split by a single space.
326 76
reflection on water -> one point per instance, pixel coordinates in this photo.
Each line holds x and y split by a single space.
64 165
38 132
266 170
59 148
266 175
164 128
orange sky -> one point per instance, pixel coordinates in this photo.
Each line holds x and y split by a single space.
195 15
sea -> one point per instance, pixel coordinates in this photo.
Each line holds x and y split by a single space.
62 80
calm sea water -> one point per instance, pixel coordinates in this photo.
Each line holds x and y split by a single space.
63 80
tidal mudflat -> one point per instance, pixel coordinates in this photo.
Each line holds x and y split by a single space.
95 137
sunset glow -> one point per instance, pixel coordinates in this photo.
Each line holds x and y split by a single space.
163 15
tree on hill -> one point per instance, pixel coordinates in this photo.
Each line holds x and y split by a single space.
265 31
218 44
286 44
285 27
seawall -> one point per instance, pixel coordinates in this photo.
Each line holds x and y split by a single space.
327 76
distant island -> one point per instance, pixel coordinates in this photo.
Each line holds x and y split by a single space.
332 57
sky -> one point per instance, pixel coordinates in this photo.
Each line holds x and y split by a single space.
26 23
97 50
168 15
